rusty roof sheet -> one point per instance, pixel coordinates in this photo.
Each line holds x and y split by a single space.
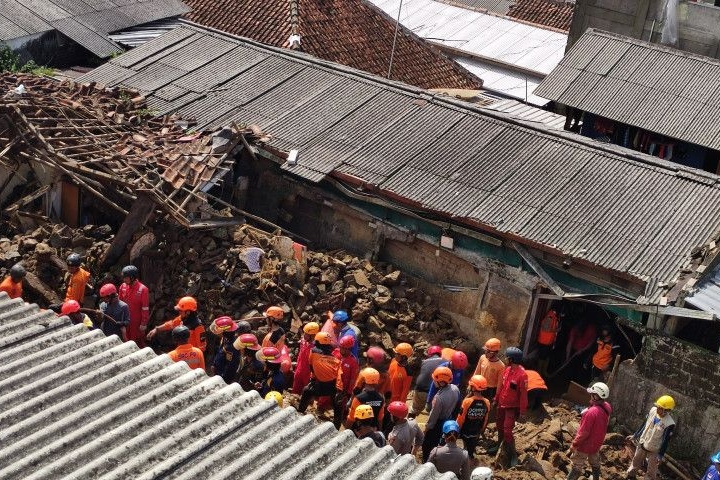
77 404
651 86
550 13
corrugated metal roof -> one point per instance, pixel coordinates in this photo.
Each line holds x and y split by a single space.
498 6
533 48
657 88
529 113
510 175
77 404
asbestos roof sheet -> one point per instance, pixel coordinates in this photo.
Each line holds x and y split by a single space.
467 32
77 404
86 22
651 86
507 171
527 112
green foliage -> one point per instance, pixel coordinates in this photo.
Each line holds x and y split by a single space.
35 69
9 60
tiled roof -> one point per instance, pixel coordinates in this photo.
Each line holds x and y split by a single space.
549 13
600 204
651 86
77 404
86 23
350 32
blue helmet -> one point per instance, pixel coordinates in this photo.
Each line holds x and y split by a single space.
340 316
451 426
514 354
715 458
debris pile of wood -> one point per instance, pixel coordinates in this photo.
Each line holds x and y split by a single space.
106 142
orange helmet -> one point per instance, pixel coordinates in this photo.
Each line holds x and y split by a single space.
363 412
404 349
493 344
247 340
478 382
270 354
323 338
186 304
398 409
275 312
311 328
71 306
442 374
107 290
371 376
459 360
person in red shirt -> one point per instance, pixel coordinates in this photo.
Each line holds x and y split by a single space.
187 308
581 339
185 351
12 285
136 295
591 433
512 401
302 367
349 369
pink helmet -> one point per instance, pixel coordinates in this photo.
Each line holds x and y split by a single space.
459 361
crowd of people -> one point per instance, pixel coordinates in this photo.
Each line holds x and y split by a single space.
376 395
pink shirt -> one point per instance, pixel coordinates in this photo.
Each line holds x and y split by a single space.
593 426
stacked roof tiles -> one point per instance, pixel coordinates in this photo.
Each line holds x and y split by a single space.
77 404
550 13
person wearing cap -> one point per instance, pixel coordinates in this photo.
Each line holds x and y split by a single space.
133 292
187 315
184 351
512 402
482 473
368 396
474 414
302 367
713 471
491 367
251 370
227 358
458 363
13 283
406 436
71 308
653 438
424 379
365 426
116 315
590 435
276 334
443 408
77 279
399 380
449 457
347 376
342 328
273 379
324 368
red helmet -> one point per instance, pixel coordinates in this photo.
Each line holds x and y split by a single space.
247 340
71 306
398 409
225 324
434 350
376 354
107 290
459 361
271 354
348 341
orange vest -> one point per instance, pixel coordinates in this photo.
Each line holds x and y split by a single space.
548 328
398 382
603 356
76 286
13 289
535 381
191 355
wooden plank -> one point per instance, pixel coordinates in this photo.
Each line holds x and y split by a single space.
139 213
535 265
39 288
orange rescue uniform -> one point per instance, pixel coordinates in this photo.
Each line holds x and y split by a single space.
13 289
535 381
604 355
76 285
548 329
492 371
324 367
398 382
383 386
191 355
197 334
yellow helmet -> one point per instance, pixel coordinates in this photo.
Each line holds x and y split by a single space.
363 412
275 397
665 402
311 328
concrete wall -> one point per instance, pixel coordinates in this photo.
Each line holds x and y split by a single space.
699 24
691 375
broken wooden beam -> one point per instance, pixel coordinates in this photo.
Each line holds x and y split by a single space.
40 289
139 213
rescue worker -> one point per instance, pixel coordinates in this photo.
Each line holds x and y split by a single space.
368 396
399 380
116 315
713 471
77 279
136 295
580 340
273 378
276 336
443 408
406 436
347 376
227 357
424 379
13 283
603 354
324 369
343 328
547 334
491 367
251 370
536 389
184 350
365 426
71 308
653 438
187 315
375 358
275 397
512 402
302 367
474 414
458 363
243 327
590 435
449 457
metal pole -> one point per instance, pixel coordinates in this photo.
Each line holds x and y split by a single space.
397 28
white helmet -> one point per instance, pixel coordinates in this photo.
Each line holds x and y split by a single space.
481 473
600 389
